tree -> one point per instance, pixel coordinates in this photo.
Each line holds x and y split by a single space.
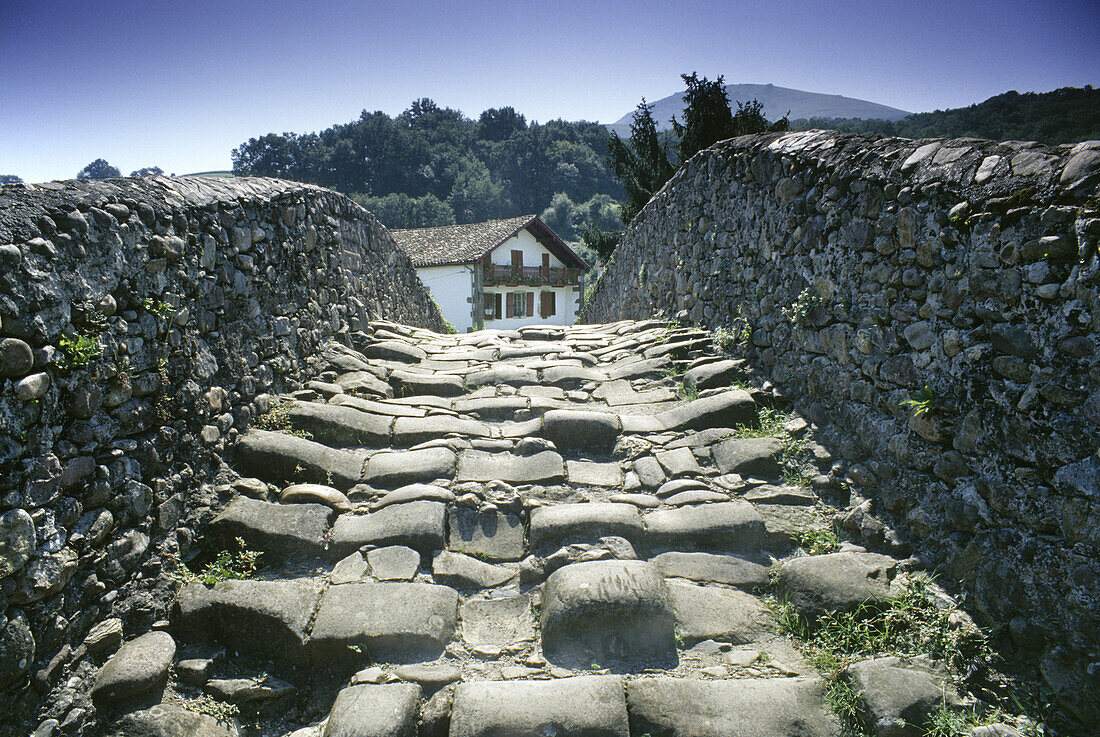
10 179
750 119
98 169
398 210
497 124
642 166
707 117
148 171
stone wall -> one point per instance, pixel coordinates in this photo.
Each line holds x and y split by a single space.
143 325
856 271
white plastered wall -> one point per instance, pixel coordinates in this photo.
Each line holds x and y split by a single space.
451 286
565 297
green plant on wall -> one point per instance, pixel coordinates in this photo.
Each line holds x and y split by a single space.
921 402
159 308
808 301
77 351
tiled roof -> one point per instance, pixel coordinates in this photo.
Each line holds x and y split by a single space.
456 244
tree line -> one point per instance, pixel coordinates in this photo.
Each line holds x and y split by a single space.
1065 115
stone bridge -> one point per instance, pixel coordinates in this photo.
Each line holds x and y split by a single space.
620 528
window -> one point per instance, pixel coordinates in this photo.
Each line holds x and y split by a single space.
519 304
548 304
492 306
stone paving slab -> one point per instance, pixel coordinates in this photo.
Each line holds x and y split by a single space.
340 425
408 467
498 623
268 619
776 707
546 467
564 524
613 613
418 525
412 430
723 527
275 456
584 706
395 622
710 613
280 531
491 535
375 710
725 569
587 473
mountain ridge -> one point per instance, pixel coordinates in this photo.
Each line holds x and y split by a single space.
777 102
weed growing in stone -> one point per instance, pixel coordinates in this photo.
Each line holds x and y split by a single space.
922 402
910 624
220 710
736 336
808 301
159 308
226 566
817 540
277 419
77 351
770 423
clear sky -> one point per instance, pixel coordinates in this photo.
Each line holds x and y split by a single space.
178 84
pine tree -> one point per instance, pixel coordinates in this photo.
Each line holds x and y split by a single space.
643 167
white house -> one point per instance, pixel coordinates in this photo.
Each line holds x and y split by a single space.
499 274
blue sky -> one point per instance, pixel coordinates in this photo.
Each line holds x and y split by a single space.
179 84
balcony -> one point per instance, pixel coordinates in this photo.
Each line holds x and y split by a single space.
532 276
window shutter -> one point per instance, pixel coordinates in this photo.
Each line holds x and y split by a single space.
548 306
496 306
511 307
531 304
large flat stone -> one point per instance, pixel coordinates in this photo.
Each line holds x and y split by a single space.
710 568
394 350
568 428
585 706
395 622
388 409
274 456
724 527
267 619
464 572
587 473
649 369
171 720
546 467
749 456
775 707
364 381
564 524
711 613
715 374
497 622
139 665
411 383
340 425
502 374
612 613
496 408
375 710
900 694
820 584
679 463
413 430
490 535
418 525
570 377
279 530
728 409
409 466
650 472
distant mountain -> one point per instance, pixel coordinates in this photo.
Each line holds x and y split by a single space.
777 101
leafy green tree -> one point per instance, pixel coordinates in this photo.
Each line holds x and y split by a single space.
148 171
641 163
499 124
398 210
98 169
603 242
750 119
10 179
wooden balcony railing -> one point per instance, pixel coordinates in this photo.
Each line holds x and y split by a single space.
529 275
